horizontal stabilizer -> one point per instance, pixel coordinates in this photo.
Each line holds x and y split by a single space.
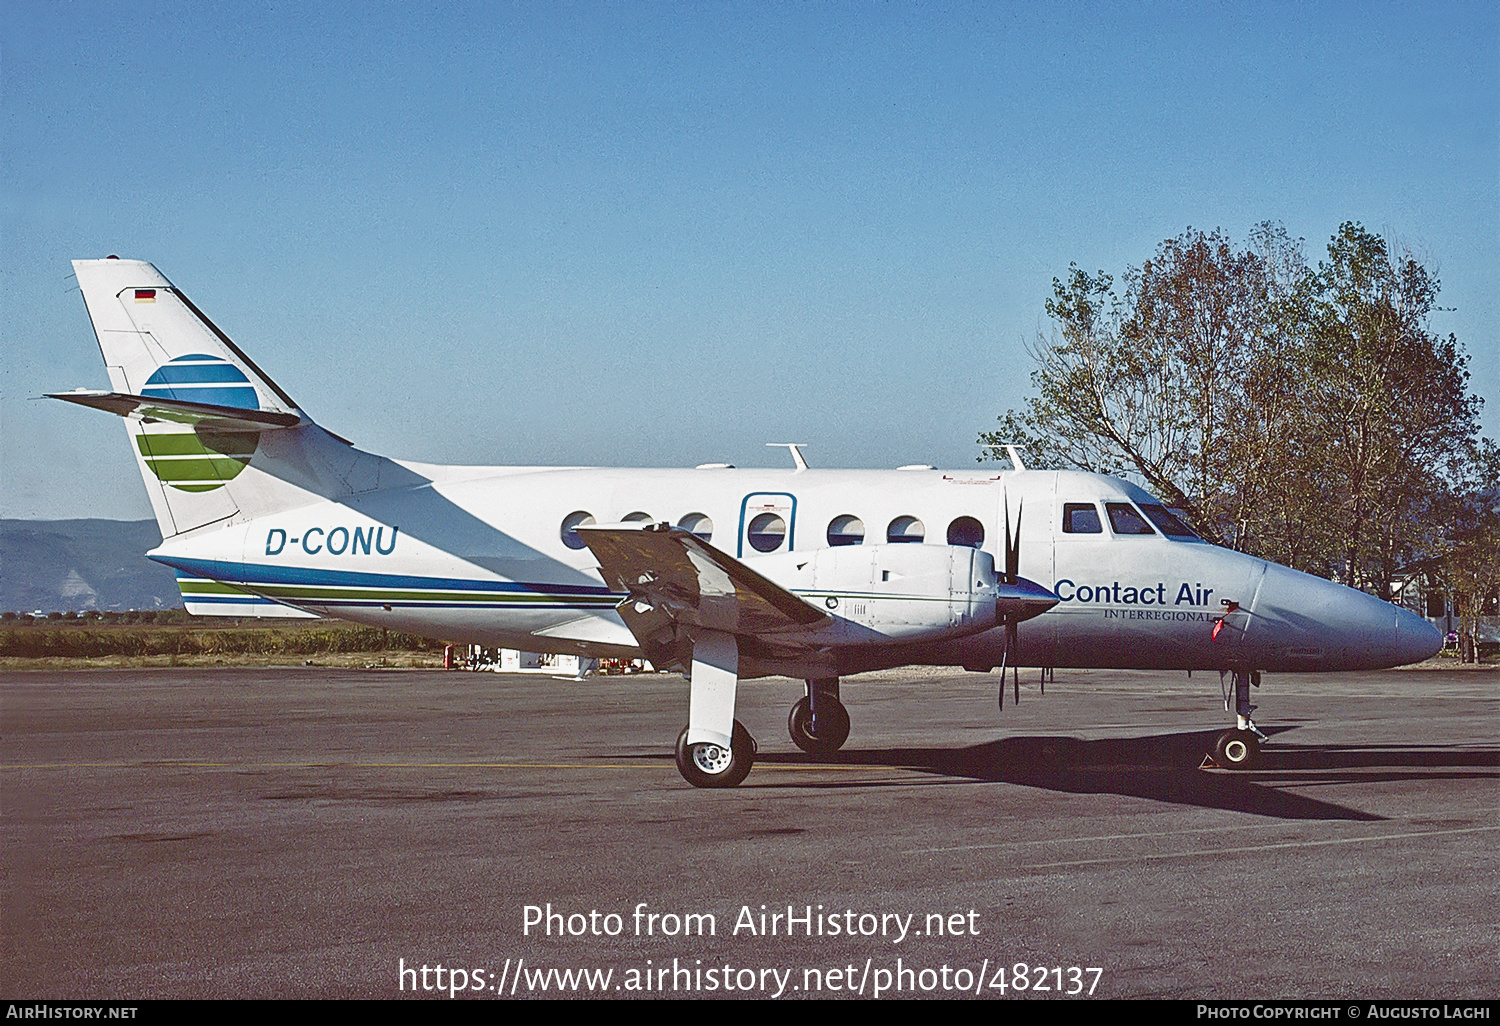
179 411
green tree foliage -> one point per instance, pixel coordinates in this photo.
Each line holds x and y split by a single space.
1305 414
1388 400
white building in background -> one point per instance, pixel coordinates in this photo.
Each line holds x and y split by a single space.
510 660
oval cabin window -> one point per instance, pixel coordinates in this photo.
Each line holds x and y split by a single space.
905 529
570 524
846 530
698 525
966 531
767 532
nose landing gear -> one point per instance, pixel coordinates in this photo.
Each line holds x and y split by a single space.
1240 748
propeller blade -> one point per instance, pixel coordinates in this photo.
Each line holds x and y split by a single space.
1011 640
1016 599
1004 656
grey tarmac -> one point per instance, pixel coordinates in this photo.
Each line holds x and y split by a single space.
342 833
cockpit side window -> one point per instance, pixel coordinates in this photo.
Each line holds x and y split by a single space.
1081 518
1166 522
1123 519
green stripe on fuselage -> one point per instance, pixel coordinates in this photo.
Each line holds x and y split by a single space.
210 588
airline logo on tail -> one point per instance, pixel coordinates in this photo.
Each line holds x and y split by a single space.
198 461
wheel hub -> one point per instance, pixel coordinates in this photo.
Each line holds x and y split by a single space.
710 758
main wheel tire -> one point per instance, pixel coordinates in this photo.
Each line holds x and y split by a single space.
1237 749
830 738
709 765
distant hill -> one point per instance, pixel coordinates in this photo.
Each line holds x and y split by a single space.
82 564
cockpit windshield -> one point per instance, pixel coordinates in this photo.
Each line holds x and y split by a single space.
1081 518
1166 521
1123 519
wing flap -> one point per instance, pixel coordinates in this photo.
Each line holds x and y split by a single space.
672 577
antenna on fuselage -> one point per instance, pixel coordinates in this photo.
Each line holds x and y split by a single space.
1012 453
795 448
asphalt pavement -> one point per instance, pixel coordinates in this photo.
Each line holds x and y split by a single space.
335 833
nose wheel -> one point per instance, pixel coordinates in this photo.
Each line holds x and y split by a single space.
1237 749
706 764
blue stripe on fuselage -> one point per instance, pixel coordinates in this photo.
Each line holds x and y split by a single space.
261 573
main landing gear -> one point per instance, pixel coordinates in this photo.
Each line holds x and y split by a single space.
819 723
706 764
1240 748
714 749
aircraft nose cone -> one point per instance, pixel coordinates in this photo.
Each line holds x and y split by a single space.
1416 639
1312 623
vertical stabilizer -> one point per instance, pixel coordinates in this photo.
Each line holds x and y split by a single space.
216 440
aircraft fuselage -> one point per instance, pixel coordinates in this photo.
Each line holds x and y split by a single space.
482 555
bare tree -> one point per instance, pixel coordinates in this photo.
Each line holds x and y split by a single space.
1181 381
1307 415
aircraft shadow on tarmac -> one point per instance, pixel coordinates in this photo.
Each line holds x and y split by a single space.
1165 767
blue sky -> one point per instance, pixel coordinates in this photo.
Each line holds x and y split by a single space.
664 234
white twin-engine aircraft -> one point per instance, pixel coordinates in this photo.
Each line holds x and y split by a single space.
724 574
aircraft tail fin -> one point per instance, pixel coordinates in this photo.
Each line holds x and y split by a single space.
215 439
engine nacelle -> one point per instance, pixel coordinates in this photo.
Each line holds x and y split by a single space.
891 593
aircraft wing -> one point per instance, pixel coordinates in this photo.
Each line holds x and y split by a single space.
675 578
